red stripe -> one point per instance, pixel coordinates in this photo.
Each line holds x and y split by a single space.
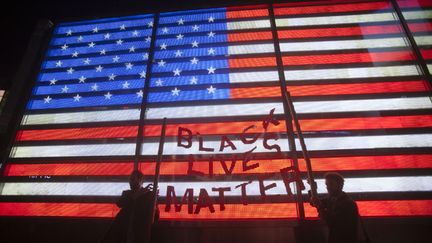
388 162
259 92
250 13
414 3
426 53
390 208
420 27
250 36
348 58
77 133
331 89
252 62
336 8
366 123
212 128
360 88
339 31
71 168
107 210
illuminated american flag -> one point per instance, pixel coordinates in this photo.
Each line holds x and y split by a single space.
363 104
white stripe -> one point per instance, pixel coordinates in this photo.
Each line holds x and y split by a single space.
423 40
342 44
171 148
369 184
213 110
363 105
361 72
73 150
80 117
344 19
250 49
429 66
422 14
301 107
313 144
254 24
246 77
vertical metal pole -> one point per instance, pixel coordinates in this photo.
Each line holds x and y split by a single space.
412 42
306 157
145 93
288 116
157 169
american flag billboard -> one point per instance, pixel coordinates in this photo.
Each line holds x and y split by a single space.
219 76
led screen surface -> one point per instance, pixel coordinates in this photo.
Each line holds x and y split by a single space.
363 103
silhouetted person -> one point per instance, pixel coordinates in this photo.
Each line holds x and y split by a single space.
338 210
133 223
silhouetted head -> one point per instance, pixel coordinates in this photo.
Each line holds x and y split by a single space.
334 182
136 180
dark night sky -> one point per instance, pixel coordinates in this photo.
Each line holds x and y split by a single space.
19 20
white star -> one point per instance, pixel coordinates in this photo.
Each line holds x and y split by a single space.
70 70
211 51
132 49
95 30
94 87
193 80
107 36
119 42
211 89
112 76
150 24
211 70
195 28
65 89
211 19
178 53
211 34
135 33
159 82
116 58
69 32
194 60
179 37
108 96
165 30
75 54
161 63
128 65
125 85
148 39
64 47
80 38
103 52
91 44
195 43
142 74
139 94
175 91
145 56
177 72
77 97
47 99
53 81
87 61
59 63
82 79
122 27
180 22
163 46
99 68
